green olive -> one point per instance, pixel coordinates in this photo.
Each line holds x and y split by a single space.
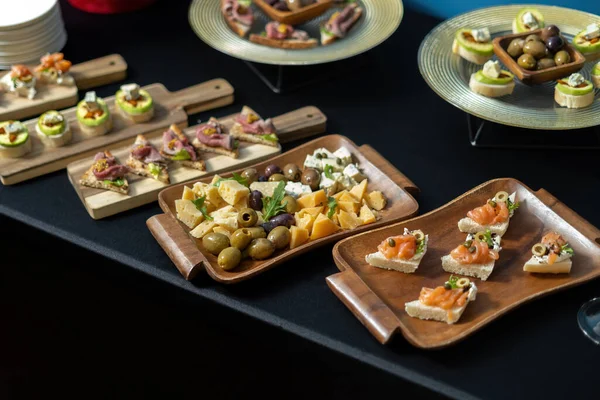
276 178
214 243
241 238
515 48
259 249
533 38
229 258
562 57
311 177
527 61
247 217
292 172
290 204
257 232
545 63
280 237
536 49
250 174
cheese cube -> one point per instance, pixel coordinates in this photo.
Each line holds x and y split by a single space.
222 230
592 31
12 127
188 194
344 181
188 213
325 182
575 79
376 200
213 197
336 164
491 69
367 216
481 35
199 189
296 189
312 162
266 188
323 152
215 179
344 154
131 91
226 217
232 191
530 21
91 100
52 118
202 229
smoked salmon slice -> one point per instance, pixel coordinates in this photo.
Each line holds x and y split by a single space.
490 213
477 253
403 247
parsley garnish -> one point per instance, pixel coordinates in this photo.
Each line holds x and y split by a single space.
332 204
199 203
328 170
181 155
271 137
420 246
117 182
566 249
512 206
272 205
488 239
236 177
452 281
327 32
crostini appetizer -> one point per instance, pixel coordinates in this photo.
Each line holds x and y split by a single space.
491 81
145 160
474 45
596 75
528 19
574 92
53 129
14 139
401 253
551 256
106 173
93 115
54 68
444 303
211 137
176 147
19 81
238 14
493 215
340 23
475 257
283 36
249 127
134 103
588 41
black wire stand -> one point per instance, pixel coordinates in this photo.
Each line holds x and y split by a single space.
486 134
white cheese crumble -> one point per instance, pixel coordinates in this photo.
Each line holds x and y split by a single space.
530 20
131 91
52 118
91 100
481 35
491 69
575 79
592 31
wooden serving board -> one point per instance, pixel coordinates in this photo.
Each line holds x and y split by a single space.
186 251
377 297
93 73
102 203
170 108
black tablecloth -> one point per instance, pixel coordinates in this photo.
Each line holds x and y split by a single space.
377 98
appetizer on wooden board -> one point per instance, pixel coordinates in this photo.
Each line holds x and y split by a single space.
14 139
93 115
494 215
106 173
400 253
134 103
250 127
145 160
551 256
53 129
20 82
283 36
475 257
212 137
176 147
54 69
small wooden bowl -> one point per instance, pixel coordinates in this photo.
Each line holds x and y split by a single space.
295 17
536 77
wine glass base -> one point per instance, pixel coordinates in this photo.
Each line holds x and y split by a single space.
588 319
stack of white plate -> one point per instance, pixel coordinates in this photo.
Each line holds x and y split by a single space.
28 30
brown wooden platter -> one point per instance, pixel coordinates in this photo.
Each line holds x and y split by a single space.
377 297
187 252
170 108
93 73
295 17
536 77
99 203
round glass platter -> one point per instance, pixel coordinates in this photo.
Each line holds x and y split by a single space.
379 20
531 107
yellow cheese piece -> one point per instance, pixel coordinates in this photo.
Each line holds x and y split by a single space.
299 236
232 191
223 230
376 200
226 217
214 198
188 194
338 195
188 213
359 191
563 267
349 206
199 189
266 188
215 179
322 227
348 197
304 221
243 203
313 199
348 220
314 211
366 215
202 229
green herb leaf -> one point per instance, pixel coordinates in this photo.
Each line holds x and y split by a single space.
567 249
154 169
452 281
325 31
263 33
181 155
236 144
117 182
236 177
332 204
420 246
511 206
199 203
272 205
488 239
328 170
271 137
245 3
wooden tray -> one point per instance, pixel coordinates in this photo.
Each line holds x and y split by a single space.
93 73
170 108
376 296
536 77
185 252
295 17
294 125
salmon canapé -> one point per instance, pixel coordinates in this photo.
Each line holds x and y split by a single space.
475 253
490 213
554 242
443 298
403 247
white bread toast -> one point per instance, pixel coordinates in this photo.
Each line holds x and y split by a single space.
198 164
55 140
416 309
481 271
89 179
289 44
91 131
467 225
327 38
571 101
378 260
137 118
488 90
235 153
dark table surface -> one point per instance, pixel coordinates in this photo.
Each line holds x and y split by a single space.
377 98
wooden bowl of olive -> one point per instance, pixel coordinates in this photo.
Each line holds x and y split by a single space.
538 56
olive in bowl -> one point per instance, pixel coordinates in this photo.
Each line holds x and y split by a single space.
515 48
527 61
536 49
562 57
545 63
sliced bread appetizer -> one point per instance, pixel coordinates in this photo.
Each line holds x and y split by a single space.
134 103
176 147
491 81
238 15
474 45
14 139
249 127
444 303
53 129
528 19
475 257
588 42
19 81
596 75
106 173
494 215
54 68
145 160
340 23
283 36
574 92
93 115
211 137
400 253
551 256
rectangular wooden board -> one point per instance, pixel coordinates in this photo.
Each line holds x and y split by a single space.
377 296
102 203
169 108
189 256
